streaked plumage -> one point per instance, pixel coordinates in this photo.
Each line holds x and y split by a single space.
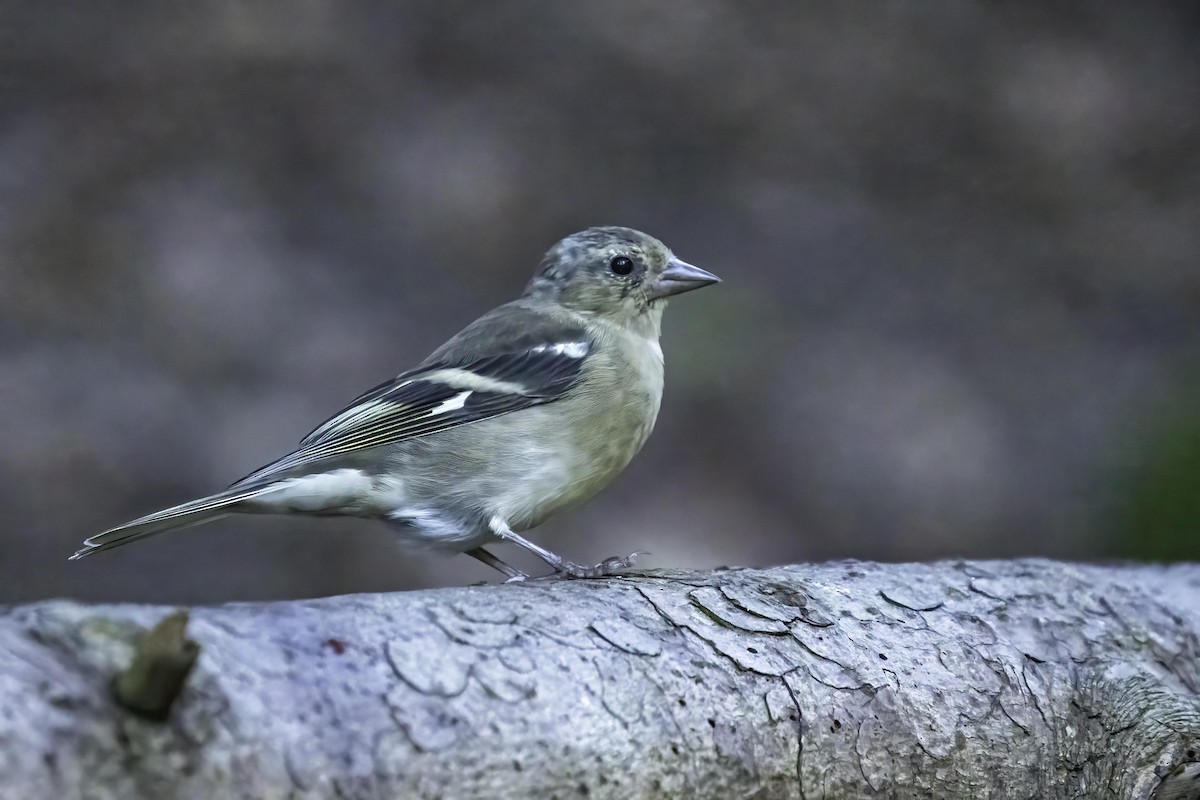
532 408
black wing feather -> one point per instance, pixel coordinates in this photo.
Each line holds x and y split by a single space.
408 405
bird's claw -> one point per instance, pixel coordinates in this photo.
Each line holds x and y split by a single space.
609 566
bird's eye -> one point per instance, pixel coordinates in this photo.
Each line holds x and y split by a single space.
621 265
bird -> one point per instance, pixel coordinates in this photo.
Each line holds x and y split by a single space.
531 409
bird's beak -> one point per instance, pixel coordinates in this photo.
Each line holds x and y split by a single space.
678 277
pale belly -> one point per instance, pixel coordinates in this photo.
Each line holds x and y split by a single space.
565 470
454 486
527 466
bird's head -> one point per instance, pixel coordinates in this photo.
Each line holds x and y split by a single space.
614 272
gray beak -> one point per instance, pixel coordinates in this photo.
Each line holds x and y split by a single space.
678 277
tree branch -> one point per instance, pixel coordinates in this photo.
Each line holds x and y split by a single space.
986 679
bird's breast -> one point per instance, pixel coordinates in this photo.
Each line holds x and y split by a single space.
600 427
528 465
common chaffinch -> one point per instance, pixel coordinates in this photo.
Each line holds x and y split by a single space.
534 407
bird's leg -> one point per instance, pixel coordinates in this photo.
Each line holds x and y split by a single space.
564 568
513 573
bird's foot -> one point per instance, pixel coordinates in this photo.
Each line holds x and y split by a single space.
609 566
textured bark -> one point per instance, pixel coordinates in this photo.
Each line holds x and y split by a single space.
956 680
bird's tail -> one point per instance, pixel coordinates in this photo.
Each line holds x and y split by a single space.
196 512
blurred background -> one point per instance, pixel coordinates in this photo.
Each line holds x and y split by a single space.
960 244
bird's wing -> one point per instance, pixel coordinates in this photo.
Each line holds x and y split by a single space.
433 399
442 395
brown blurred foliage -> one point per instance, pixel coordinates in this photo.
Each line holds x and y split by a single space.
959 243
